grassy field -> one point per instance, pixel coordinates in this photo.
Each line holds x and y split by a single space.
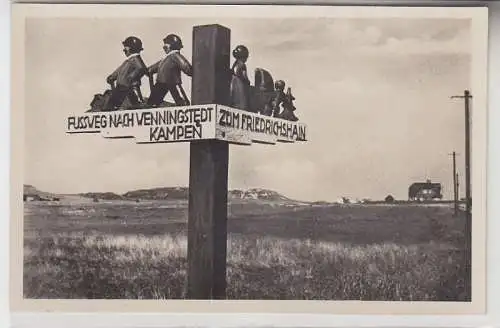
138 250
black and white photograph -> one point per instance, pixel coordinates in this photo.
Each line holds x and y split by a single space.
250 153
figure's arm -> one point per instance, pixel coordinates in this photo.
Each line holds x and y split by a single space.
244 74
234 68
278 98
113 76
184 65
134 75
138 71
154 68
146 72
240 70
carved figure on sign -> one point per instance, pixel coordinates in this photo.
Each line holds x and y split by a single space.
125 81
278 98
288 107
262 93
168 73
240 84
99 101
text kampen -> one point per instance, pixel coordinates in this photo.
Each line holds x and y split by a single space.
185 123
164 125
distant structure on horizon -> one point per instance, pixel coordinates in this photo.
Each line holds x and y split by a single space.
31 194
422 191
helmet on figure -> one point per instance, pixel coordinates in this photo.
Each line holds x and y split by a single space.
134 43
240 52
174 41
279 85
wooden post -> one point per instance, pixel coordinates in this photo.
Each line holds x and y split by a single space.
455 190
468 201
208 171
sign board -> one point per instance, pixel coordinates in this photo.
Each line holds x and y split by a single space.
188 123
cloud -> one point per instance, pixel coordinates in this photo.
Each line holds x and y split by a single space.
459 44
425 28
326 49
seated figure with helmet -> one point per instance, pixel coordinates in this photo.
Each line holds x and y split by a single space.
125 81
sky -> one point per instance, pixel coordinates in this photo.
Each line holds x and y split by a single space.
374 94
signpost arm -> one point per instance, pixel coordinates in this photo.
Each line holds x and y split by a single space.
208 171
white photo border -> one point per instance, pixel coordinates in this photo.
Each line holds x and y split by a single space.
236 319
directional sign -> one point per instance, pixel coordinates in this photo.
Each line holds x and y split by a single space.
188 123
213 127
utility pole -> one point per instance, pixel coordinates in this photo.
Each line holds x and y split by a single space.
468 201
455 183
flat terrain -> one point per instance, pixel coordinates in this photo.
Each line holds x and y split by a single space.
132 250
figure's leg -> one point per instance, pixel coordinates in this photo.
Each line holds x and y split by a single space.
117 97
133 99
179 101
276 111
157 94
138 94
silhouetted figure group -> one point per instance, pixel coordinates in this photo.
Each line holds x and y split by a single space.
125 82
241 91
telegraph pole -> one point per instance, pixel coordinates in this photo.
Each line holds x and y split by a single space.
468 201
455 183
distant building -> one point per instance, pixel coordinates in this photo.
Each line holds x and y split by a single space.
31 198
343 200
422 191
36 197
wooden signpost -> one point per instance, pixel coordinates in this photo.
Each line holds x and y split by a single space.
210 125
208 170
